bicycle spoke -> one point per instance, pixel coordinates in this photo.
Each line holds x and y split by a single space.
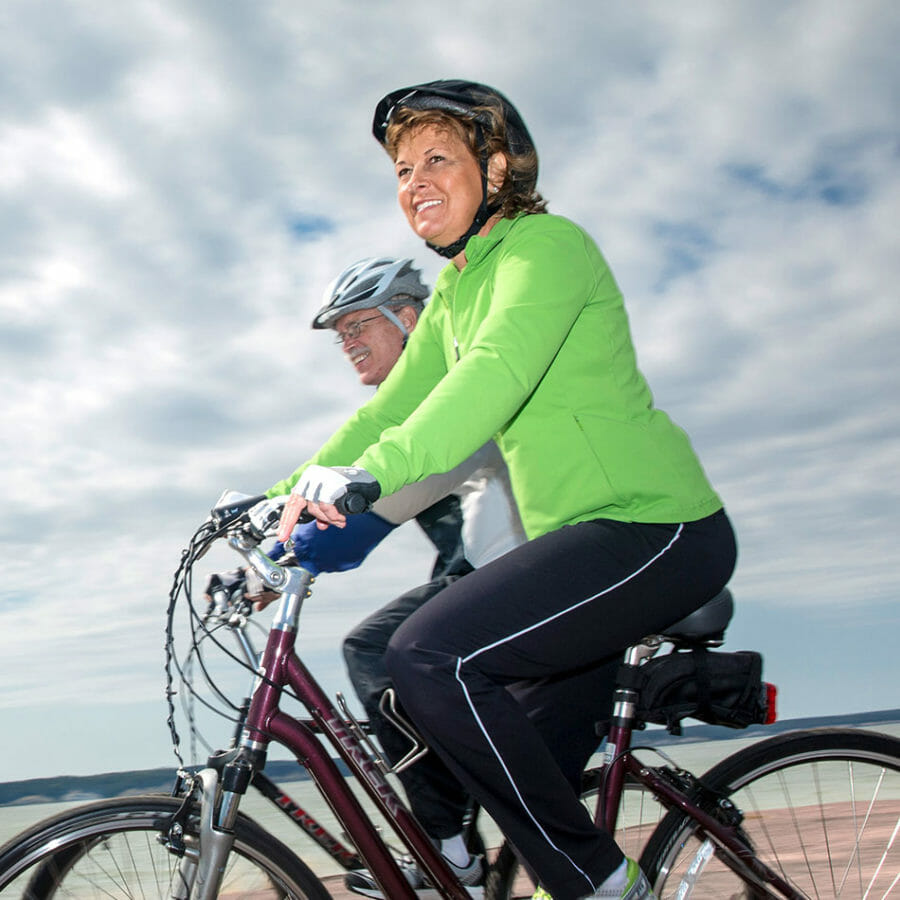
825 819
118 850
882 860
789 805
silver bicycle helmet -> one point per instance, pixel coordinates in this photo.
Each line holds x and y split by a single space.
373 283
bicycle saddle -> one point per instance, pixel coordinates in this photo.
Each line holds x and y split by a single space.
707 623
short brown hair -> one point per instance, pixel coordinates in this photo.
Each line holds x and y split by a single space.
517 194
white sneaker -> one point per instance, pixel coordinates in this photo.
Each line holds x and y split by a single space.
636 887
470 876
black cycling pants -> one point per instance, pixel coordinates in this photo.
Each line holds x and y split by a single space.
437 799
546 613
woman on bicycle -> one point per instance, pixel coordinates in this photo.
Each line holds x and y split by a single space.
525 340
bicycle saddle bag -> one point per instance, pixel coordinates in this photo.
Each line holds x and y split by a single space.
715 687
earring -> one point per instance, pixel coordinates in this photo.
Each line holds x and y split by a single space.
494 189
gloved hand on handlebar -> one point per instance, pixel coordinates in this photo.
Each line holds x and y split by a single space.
327 494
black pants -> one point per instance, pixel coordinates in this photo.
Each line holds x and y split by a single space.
436 797
565 718
547 613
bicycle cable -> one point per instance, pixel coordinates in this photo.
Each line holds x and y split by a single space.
200 631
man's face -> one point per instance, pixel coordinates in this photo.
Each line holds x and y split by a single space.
377 346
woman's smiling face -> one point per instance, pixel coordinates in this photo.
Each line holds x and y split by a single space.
438 183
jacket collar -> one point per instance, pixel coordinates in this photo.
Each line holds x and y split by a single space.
479 247
477 250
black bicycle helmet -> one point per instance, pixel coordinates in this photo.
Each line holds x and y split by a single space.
465 99
373 283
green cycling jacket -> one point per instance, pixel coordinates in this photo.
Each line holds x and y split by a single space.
529 344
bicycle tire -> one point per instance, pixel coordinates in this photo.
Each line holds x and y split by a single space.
639 815
111 848
821 807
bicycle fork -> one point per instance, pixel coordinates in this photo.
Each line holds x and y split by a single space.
203 860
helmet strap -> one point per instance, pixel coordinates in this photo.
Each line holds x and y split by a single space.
485 210
395 319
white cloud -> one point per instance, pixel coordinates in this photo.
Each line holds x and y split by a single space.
183 180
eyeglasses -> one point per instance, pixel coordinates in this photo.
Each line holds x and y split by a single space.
353 330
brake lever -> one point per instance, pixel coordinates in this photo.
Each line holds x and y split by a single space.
231 506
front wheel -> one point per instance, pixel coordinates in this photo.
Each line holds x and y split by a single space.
820 807
129 848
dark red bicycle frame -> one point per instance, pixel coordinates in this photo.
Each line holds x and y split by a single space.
266 722
622 764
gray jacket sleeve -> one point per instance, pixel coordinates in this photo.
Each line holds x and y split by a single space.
491 523
412 499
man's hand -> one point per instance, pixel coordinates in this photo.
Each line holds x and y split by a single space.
257 591
264 516
317 491
244 582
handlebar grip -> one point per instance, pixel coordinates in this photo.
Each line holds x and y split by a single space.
352 503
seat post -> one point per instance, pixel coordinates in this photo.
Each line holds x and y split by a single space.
625 698
618 738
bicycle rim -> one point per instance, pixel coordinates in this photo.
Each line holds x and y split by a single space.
820 807
118 849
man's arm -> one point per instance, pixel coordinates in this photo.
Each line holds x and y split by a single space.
414 498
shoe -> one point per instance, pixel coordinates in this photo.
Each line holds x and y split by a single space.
470 876
636 887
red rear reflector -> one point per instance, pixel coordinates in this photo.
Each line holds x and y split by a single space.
771 695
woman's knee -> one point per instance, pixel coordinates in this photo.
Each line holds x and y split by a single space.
417 668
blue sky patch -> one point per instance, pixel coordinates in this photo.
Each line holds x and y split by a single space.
685 247
310 227
830 183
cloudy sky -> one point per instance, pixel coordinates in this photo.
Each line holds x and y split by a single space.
180 179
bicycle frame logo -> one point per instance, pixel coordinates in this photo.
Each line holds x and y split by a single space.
348 741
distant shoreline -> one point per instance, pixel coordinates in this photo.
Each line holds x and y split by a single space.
66 788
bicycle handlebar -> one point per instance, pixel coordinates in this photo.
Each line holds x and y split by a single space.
352 503
225 513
